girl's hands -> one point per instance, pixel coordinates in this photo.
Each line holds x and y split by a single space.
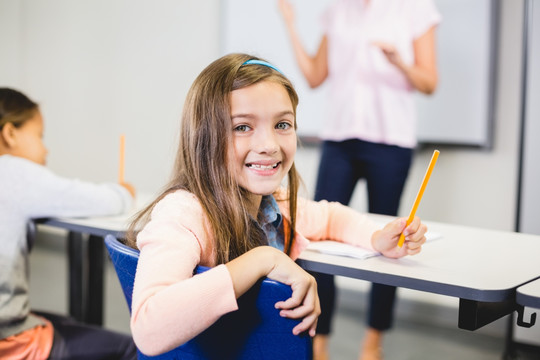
304 301
267 261
385 240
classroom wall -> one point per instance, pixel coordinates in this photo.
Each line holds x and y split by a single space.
104 67
101 68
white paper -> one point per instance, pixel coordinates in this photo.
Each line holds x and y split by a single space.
341 249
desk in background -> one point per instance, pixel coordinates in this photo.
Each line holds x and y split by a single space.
524 344
86 252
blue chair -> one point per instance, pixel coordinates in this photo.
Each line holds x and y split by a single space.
254 331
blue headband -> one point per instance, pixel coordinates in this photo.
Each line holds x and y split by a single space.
261 62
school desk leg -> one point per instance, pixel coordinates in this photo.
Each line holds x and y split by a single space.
76 278
96 255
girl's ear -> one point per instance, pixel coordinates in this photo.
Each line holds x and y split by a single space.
8 135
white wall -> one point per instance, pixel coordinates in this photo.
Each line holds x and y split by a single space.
101 68
104 67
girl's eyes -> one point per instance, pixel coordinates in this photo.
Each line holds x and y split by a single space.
241 128
283 125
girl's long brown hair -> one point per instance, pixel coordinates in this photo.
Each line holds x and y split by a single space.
202 167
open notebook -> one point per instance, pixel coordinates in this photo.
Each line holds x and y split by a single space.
341 249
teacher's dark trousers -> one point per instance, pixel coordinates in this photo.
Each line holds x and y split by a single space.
385 169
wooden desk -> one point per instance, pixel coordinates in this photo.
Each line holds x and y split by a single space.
483 268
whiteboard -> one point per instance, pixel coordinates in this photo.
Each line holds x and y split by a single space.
461 110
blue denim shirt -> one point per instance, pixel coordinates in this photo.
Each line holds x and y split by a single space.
270 222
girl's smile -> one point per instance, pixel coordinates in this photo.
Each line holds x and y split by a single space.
264 137
262 167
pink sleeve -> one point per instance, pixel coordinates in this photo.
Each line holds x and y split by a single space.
424 16
323 220
170 305
325 19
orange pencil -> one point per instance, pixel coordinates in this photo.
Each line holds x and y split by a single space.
121 164
420 193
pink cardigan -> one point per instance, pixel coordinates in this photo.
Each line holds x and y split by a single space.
170 305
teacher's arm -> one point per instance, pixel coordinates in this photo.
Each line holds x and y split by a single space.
314 68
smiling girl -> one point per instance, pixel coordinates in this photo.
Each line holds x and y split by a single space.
227 208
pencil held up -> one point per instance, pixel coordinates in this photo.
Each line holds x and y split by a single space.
420 193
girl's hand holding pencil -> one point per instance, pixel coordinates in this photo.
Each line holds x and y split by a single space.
386 240
411 230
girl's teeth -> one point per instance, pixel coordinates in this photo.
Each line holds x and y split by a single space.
263 167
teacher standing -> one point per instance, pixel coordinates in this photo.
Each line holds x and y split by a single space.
374 55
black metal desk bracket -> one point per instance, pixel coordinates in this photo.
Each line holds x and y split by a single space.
520 322
475 314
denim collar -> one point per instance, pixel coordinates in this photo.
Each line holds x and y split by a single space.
270 221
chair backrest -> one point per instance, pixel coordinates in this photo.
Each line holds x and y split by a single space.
254 331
